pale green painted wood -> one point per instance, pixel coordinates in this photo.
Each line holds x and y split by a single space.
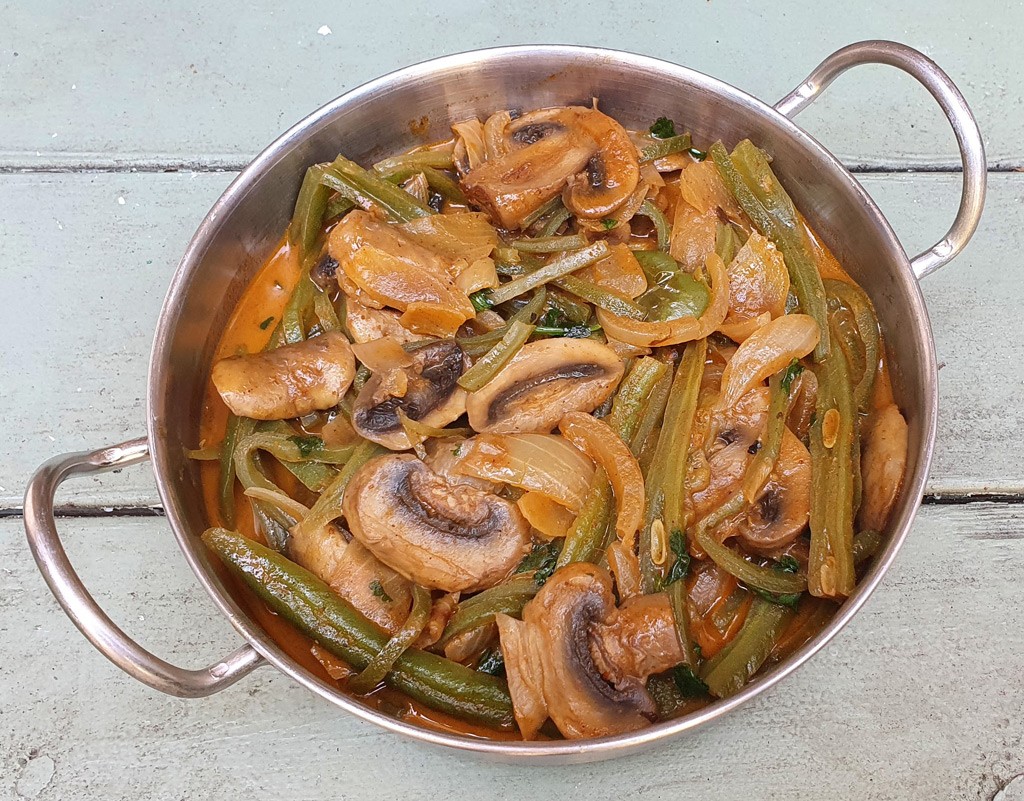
121 83
84 278
919 698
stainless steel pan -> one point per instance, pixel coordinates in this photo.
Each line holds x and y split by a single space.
397 111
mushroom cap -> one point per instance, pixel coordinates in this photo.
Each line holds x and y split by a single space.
542 382
289 381
432 396
576 599
445 536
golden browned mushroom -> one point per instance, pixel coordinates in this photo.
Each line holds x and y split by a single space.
289 381
429 395
577 659
441 535
542 382
884 462
612 173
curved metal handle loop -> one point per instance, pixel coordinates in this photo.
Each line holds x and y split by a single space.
965 127
85 613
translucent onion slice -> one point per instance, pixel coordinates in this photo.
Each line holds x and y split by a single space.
547 516
766 351
543 463
679 330
625 567
739 330
600 442
468 235
382 354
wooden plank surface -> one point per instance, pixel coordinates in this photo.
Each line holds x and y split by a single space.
85 276
920 697
189 83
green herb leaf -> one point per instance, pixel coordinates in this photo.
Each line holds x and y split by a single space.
378 590
609 223
481 300
785 564
698 155
541 560
689 683
266 323
571 331
492 663
790 375
663 128
307 445
681 567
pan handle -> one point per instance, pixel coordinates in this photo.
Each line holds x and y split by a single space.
70 592
965 127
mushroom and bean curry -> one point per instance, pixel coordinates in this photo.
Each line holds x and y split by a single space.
552 429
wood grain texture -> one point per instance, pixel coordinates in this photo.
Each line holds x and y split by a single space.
190 83
920 697
85 275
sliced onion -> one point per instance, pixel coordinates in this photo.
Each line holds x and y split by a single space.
494 134
283 502
470 151
694 234
701 186
765 352
619 273
480 274
467 235
683 329
338 432
758 280
547 516
543 463
382 354
625 567
739 330
600 442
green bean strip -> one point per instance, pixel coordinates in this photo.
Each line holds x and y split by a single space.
481 343
665 147
544 209
666 477
865 545
600 297
314 609
855 299
831 572
338 205
365 188
373 674
681 616
325 313
561 266
210 454
292 327
754 576
550 244
661 224
328 505
436 180
554 222
507 598
492 362
762 197
585 540
654 410
732 667
438 159
308 217
761 466
727 244
238 428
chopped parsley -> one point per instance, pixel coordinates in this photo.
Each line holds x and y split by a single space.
307 445
378 590
481 300
266 323
788 564
609 223
663 128
541 560
554 318
790 375
785 564
689 683
681 566
492 663
697 155
457 450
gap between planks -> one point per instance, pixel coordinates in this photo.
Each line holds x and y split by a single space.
941 499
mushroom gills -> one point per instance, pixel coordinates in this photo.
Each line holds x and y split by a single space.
439 534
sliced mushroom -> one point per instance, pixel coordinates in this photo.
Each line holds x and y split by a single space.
393 270
638 641
542 382
884 463
431 395
290 381
550 662
612 173
441 535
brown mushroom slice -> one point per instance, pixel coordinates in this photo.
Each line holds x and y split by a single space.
574 601
542 382
611 174
431 395
441 535
638 641
290 381
525 672
391 269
